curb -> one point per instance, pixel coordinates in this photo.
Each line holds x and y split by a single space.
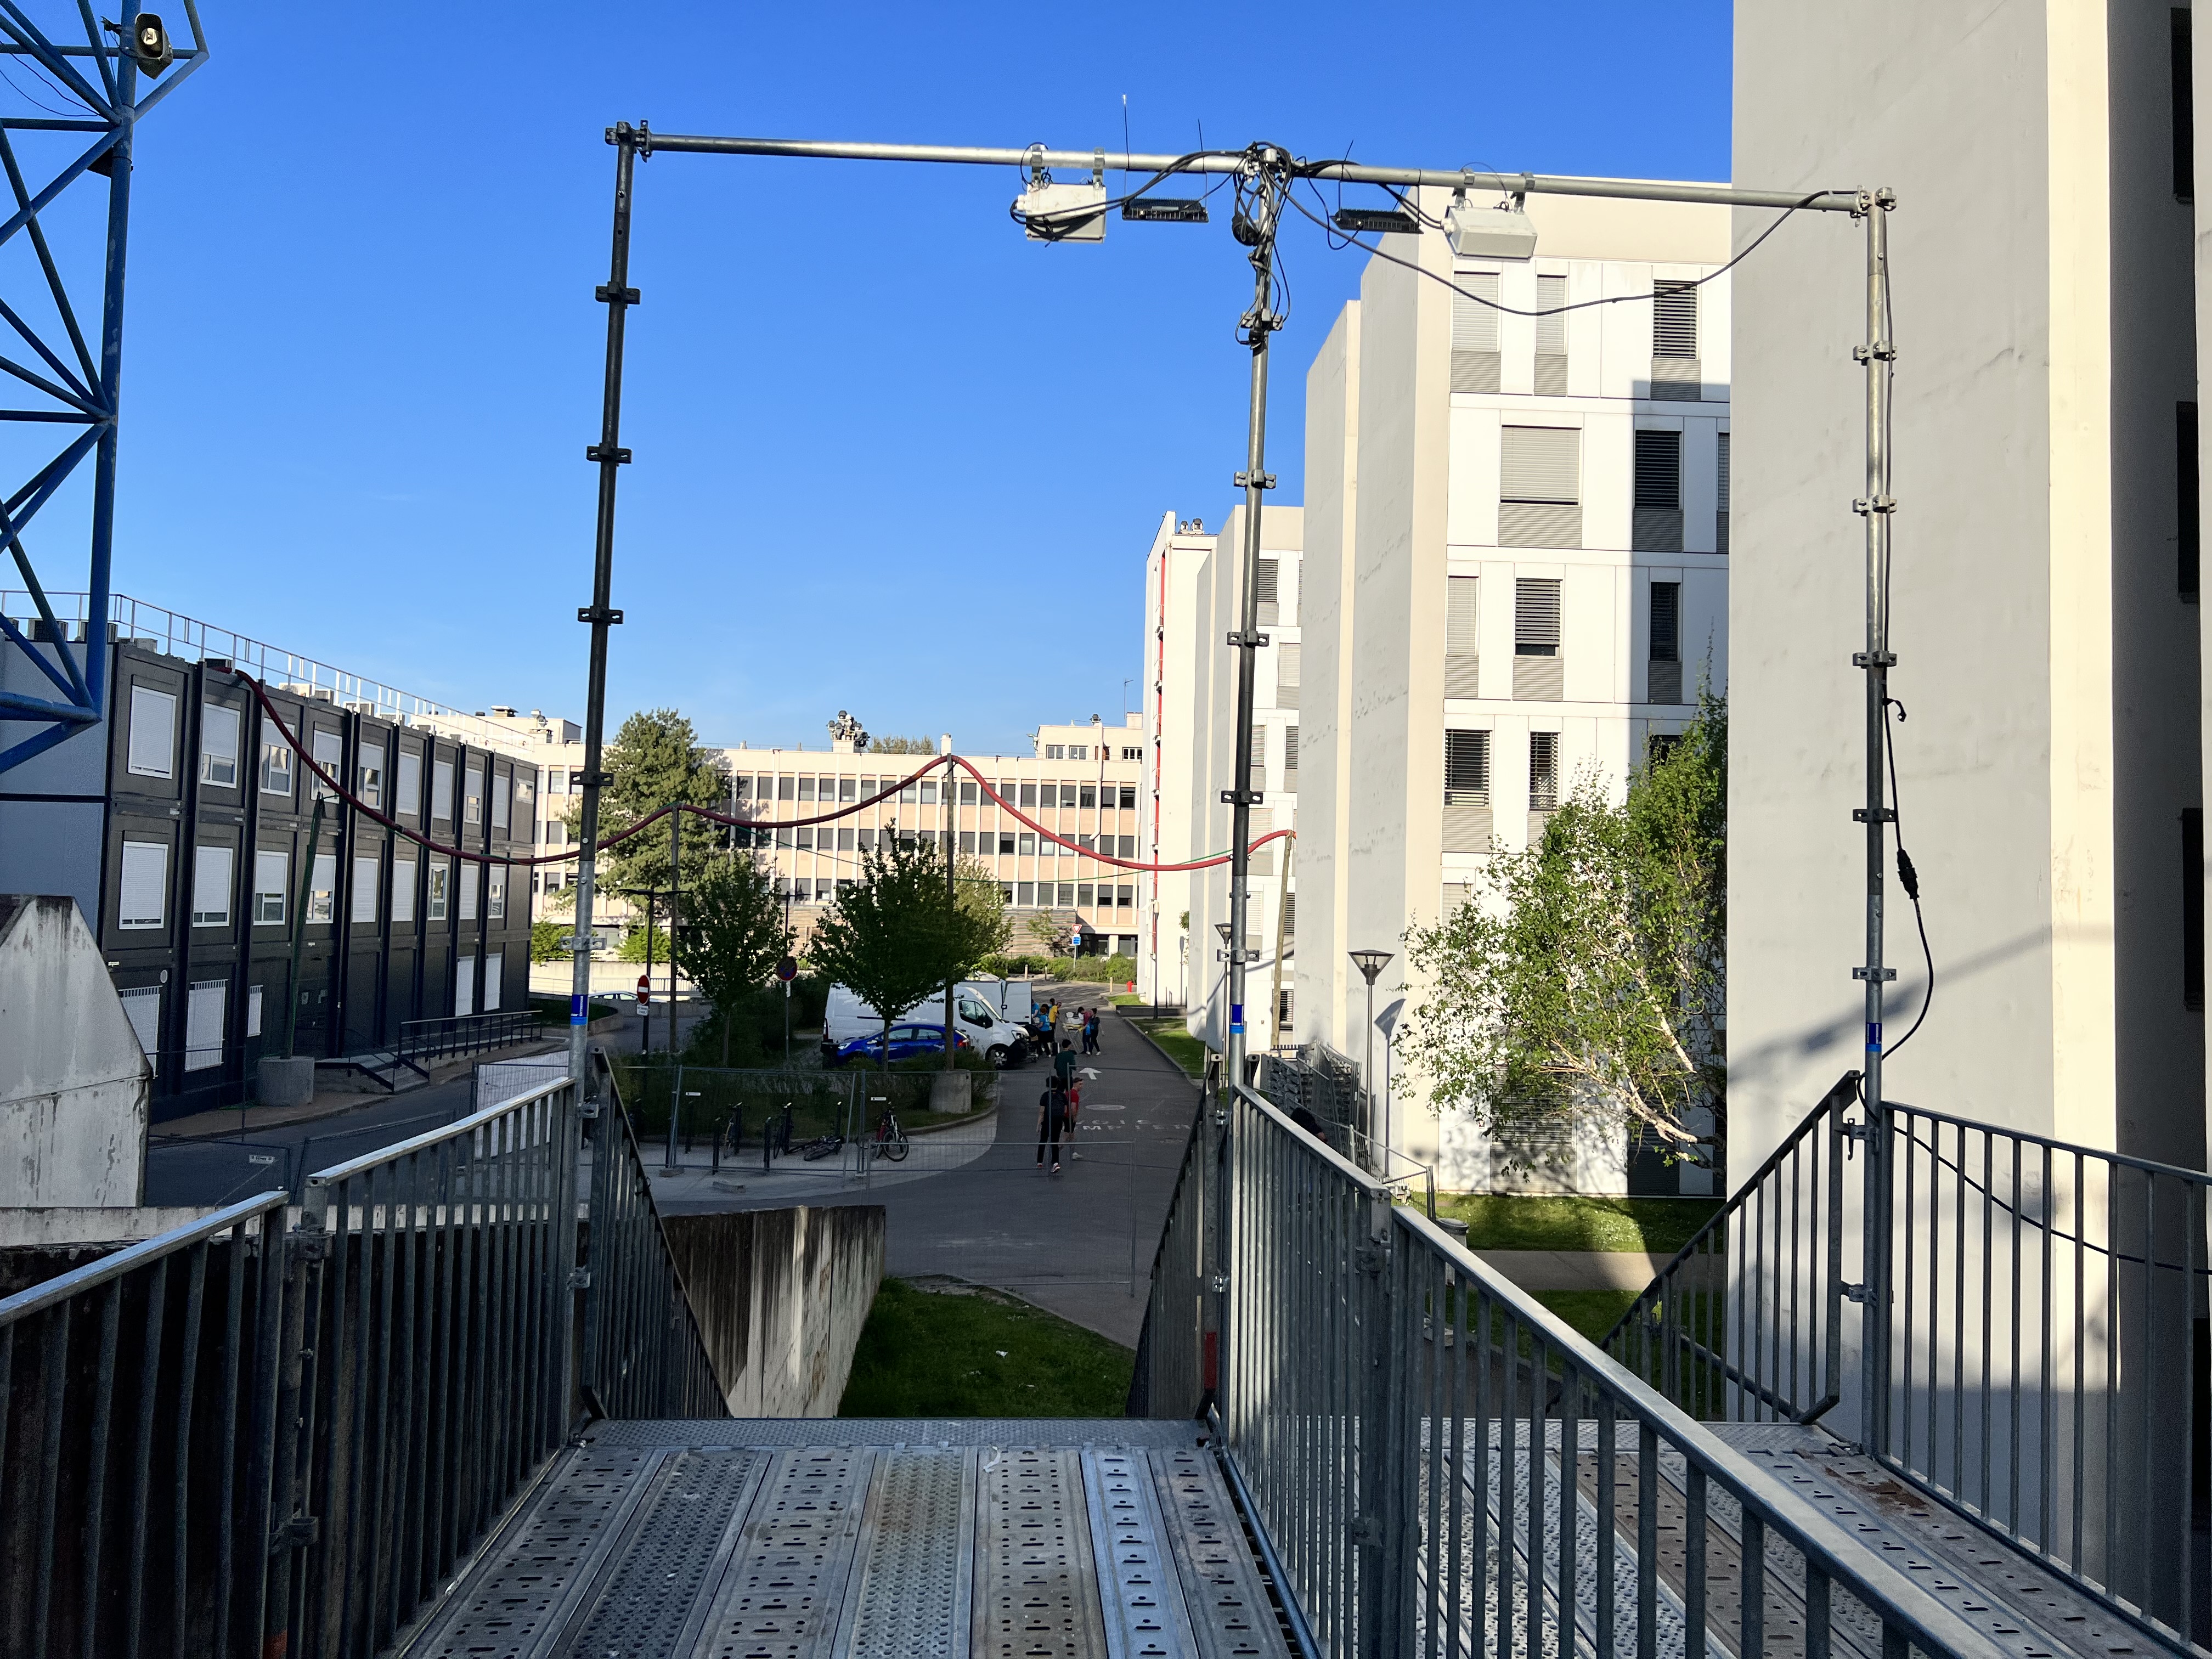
1195 1083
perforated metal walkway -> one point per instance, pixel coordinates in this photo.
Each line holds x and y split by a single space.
923 1539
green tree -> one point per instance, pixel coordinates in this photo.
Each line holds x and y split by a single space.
904 746
730 934
983 895
1044 930
1588 975
893 937
655 758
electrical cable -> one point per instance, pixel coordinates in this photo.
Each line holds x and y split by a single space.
1908 877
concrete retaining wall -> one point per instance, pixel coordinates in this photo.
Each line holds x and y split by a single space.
781 1295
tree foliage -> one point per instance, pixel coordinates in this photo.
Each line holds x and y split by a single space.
655 758
894 936
1587 974
983 895
730 933
902 746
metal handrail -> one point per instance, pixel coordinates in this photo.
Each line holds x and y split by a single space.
1387 1470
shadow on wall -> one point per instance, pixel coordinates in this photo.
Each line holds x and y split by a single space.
781 1297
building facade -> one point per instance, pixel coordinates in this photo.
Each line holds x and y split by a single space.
182 825
1514 575
1177 568
2045 607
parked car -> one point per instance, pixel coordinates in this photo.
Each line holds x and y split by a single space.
998 1036
908 1043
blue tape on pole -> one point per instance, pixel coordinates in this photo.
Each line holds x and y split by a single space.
577 1010
1874 1037
1236 1019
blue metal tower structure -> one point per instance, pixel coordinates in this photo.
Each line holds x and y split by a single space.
88 98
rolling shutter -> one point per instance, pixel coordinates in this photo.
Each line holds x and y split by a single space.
141 1006
1665 622
364 891
211 871
1536 617
1724 472
1460 618
153 733
1541 464
142 896
1674 320
1659 470
1543 771
1550 320
205 1011
1467 768
1288 663
1475 325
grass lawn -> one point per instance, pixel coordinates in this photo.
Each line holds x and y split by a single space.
1592 1312
1507 1221
1186 1050
976 1352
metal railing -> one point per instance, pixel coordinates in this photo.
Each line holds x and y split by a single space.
1745 1324
458 1034
642 1350
1176 1356
142 1398
1423 1450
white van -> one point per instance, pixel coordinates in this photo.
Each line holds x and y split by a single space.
1000 1037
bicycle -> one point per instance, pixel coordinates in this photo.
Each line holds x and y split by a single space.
775 1136
890 1140
822 1146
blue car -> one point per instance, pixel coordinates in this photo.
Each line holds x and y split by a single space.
908 1043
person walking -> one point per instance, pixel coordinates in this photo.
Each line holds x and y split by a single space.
1091 1031
1056 1104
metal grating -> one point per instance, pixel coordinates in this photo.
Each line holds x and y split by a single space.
1036 1594
670 1560
1227 1605
1149 1433
911 1599
780 1596
1143 1603
530 1581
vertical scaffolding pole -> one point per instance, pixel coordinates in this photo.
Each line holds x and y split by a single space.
619 296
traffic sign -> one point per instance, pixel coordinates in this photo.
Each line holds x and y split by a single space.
788 969
575 942
644 993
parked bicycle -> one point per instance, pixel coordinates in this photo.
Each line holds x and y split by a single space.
775 1137
822 1146
890 1140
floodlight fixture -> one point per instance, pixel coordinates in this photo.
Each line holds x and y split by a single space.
148 44
1383 222
1165 210
1501 232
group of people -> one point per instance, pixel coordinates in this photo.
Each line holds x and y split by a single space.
1063 1094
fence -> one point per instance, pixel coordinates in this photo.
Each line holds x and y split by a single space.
1434 1465
455 1036
234 1440
191 1169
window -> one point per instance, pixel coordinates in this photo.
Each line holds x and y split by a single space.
470 874
493 967
142 898
844 839
1028 795
1132 754
1025 892
442 791
329 750
1289 756
1467 768
1463 637
272 880
1288 664
464 986
2187 495
1666 622
908 793
1536 617
1721 494
1055 751
805 839
1543 771
1085 843
1259 758
1083 893
1005 846
364 891
219 729
966 792
141 1006
867 838
441 872
153 733
1268 590
525 796
786 788
929 793
496 898
1124 897
1675 319
1540 487
1128 797
1659 470
1658 745
323 887
368 773
253 1011
806 788
211 872
403 889
1079 751
276 761
472 806
409 801
848 789
1551 319
2192 909
1283 1013
1027 844
1127 846
1087 795
1066 892
1475 365
503 803
2185 131
1290 915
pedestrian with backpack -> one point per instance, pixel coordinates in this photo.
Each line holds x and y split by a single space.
1091 1031
1054 1120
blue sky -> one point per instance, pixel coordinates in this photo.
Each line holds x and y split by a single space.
890 456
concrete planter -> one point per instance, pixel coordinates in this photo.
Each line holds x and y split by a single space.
288 1082
951 1092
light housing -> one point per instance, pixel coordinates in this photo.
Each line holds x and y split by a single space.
1501 232
1370 964
1062 213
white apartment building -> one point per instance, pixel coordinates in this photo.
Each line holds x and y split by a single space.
2045 608
1177 571
1515 569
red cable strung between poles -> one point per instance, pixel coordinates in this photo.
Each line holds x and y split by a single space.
261 696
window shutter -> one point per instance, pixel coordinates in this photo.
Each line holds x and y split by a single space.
1659 470
502 803
1265 587
442 791
469 874
329 751
322 891
1467 768
364 891
1541 464
1259 757
142 898
219 727
1552 320
1536 617
253 1011
1723 479
464 986
204 1011
1543 771
1288 663
494 964
410 782
141 1006
270 870
1475 325
1460 637
153 733
1290 915
1675 319
211 868
403 889
1665 622
1289 748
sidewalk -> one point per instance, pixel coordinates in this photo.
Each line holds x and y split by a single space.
337 1102
841 1178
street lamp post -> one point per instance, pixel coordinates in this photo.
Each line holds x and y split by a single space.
1370 964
